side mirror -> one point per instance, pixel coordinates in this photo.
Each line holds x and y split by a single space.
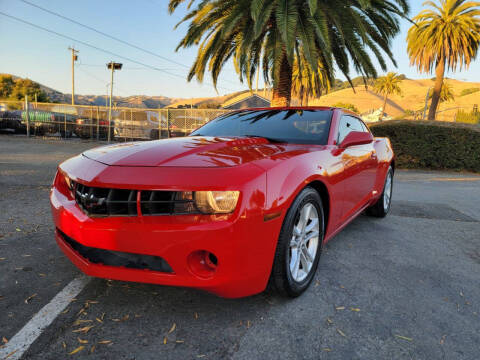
356 138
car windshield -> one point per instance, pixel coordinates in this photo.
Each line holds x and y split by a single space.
291 126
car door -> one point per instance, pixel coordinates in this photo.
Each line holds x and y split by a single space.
360 167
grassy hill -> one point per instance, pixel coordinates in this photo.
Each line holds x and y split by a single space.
412 98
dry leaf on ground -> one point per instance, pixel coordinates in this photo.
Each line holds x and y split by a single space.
84 330
404 337
27 300
78 349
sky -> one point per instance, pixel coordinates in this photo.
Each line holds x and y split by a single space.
44 57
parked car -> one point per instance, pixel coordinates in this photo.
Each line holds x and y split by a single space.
141 125
93 129
154 125
248 199
46 122
11 120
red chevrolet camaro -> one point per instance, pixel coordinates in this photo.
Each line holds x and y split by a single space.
247 200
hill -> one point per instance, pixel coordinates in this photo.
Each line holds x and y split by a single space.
412 99
364 99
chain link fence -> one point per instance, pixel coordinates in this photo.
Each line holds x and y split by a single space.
92 122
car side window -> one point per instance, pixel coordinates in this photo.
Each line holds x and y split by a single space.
347 124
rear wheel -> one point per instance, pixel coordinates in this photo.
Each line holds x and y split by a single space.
382 206
66 134
154 134
299 245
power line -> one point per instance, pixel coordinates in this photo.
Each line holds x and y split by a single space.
104 34
109 36
80 63
93 76
100 49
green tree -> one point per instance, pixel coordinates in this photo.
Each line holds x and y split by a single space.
347 106
447 35
387 85
27 87
6 86
447 92
269 33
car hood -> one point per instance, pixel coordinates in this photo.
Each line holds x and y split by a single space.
197 151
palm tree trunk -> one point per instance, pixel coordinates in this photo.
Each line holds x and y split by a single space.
440 73
383 108
282 86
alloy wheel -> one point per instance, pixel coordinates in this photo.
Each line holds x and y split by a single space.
304 242
387 196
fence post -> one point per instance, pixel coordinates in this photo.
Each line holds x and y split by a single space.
64 123
131 123
98 124
159 124
168 123
185 123
27 116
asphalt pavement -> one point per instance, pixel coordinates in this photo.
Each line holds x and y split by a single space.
403 287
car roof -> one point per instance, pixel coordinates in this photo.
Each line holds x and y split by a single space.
319 108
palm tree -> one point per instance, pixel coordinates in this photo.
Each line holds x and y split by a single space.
387 85
306 83
446 94
269 33
447 35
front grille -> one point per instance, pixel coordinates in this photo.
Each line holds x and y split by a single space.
167 203
96 201
104 201
117 258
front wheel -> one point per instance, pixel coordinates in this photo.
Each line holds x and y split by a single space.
382 206
299 245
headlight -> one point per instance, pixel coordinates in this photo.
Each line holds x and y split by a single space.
216 202
65 185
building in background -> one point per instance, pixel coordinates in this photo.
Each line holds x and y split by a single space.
246 100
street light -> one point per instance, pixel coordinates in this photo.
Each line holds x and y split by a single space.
111 66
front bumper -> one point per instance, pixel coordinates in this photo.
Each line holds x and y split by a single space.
243 243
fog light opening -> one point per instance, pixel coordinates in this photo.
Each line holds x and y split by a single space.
202 263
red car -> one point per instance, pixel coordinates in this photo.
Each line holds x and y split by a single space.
246 200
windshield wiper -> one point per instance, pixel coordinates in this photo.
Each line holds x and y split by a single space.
272 140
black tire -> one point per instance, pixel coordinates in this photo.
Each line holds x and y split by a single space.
154 134
281 278
379 209
66 135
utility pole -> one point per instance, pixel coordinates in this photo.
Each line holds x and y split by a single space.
74 58
112 66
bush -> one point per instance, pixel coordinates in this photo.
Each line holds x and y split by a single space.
466 92
347 106
472 117
432 145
